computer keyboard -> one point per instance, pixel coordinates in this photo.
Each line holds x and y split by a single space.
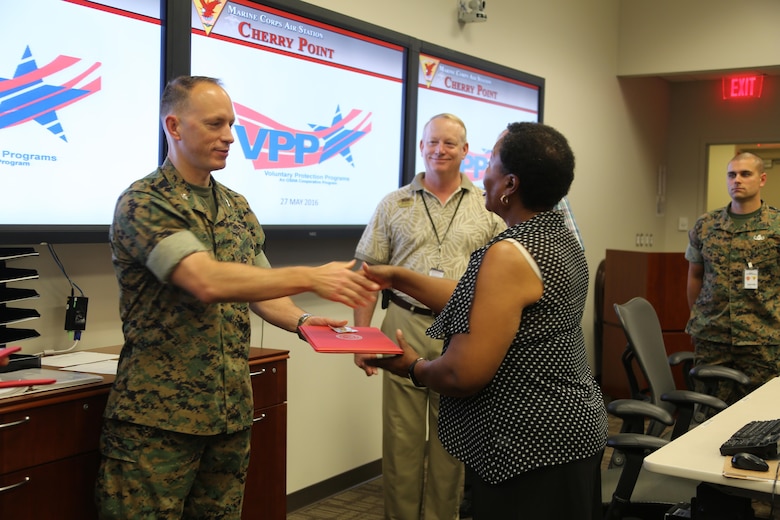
758 437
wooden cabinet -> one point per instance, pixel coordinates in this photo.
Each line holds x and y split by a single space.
48 454
660 278
49 447
265 495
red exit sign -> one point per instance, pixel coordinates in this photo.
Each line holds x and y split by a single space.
741 87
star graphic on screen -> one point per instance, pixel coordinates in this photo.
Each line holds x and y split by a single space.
340 139
32 95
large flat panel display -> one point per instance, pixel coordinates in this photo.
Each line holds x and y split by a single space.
319 113
485 96
79 96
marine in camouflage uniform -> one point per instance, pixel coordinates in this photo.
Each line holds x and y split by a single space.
183 367
176 435
731 324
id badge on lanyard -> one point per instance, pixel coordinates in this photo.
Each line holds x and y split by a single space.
751 277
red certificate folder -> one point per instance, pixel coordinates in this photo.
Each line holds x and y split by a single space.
367 340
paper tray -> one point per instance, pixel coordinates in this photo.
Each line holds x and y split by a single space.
63 379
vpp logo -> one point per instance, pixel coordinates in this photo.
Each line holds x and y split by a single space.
474 165
27 97
269 144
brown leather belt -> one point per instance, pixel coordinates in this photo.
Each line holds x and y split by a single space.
423 311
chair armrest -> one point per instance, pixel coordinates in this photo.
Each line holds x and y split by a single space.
680 357
635 442
686 359
689 398
716 372
634 412
685 401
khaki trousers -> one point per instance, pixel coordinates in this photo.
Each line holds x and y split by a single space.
414 488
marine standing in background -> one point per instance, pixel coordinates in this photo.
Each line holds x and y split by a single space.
734 281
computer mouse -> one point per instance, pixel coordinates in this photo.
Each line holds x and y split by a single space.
749 461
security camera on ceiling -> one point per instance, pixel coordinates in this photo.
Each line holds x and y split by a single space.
470 11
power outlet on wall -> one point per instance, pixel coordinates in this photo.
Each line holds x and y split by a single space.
644 239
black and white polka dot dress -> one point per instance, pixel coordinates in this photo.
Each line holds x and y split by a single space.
543 407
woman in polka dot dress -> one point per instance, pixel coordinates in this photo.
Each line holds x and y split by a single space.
519 404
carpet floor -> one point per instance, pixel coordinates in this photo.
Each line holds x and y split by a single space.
365 502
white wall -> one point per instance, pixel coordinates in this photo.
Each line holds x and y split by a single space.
682 36
622 131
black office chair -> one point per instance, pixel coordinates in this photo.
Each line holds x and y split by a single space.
638 493
646 347
627 490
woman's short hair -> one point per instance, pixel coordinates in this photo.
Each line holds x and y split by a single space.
541 159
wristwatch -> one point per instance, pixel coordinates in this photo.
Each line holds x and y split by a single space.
305 316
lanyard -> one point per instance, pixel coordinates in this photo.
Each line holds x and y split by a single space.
435 232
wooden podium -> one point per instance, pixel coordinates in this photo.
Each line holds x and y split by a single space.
661 279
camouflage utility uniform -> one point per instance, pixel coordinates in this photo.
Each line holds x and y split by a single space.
182 387
732 325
